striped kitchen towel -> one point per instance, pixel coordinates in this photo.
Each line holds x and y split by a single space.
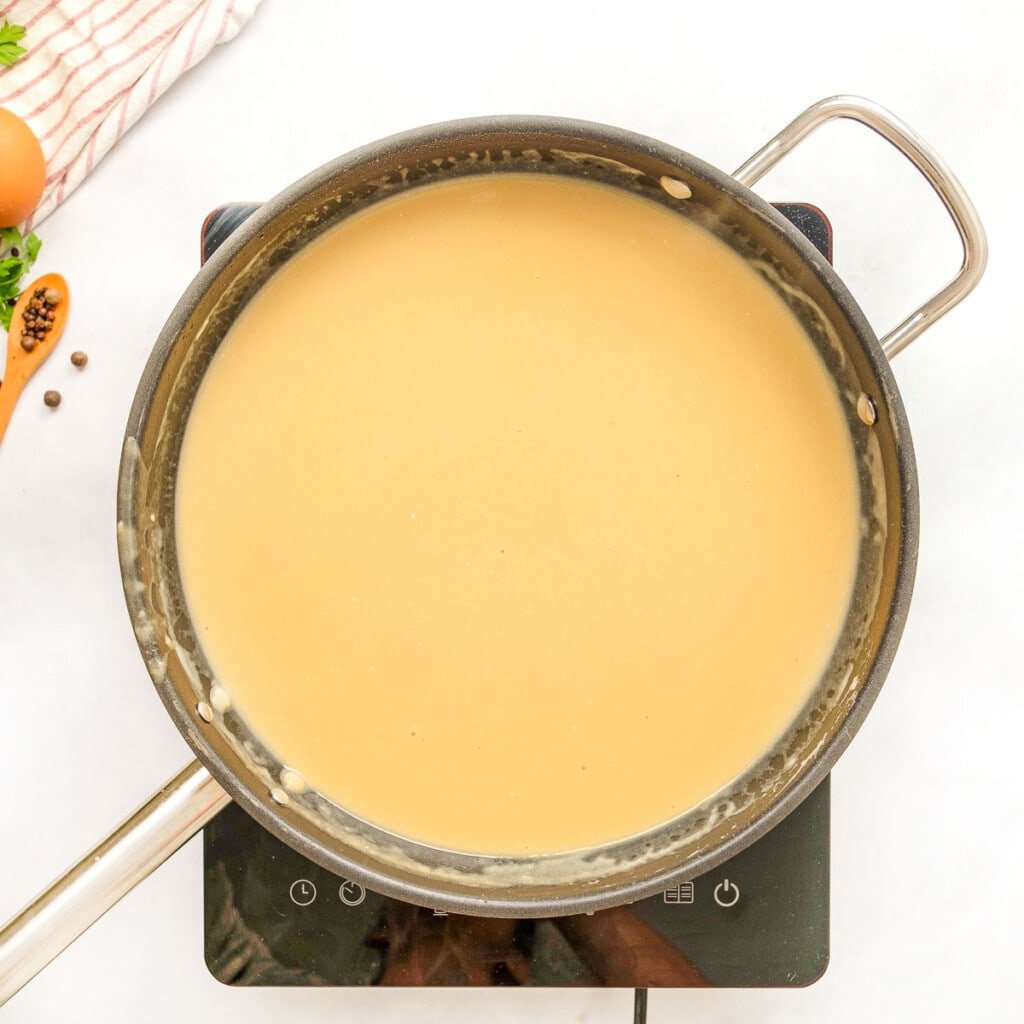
93 68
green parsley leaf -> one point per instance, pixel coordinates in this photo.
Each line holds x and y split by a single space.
10 51
10 272
17 255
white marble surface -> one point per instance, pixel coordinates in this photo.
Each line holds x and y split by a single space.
927 898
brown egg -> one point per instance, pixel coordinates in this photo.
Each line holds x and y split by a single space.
22 170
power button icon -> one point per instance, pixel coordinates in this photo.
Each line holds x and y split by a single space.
727 894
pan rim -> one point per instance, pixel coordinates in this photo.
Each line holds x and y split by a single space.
262 809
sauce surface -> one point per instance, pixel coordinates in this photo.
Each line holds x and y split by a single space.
517 514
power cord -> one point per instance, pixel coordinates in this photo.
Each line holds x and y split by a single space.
640 1006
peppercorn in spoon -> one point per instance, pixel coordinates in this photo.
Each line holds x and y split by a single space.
36 326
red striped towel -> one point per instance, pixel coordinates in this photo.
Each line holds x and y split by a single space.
93 68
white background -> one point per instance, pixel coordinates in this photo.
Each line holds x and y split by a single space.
927 804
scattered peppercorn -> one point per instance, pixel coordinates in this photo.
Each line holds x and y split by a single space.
51 399
79 359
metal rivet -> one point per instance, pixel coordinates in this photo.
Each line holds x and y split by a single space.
279 796
675 188
866 410
204 711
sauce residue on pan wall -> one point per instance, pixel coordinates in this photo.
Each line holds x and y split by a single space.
517 514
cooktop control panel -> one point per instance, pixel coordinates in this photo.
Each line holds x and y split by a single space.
272 917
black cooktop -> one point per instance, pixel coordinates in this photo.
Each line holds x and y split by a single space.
272 917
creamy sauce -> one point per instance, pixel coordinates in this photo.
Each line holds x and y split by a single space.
517 514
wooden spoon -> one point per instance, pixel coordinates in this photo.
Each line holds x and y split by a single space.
21 364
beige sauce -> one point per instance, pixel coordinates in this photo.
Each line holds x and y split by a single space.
517 514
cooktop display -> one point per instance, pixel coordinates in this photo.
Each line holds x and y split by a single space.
272 917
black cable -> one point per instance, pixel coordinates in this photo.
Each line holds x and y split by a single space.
640 1006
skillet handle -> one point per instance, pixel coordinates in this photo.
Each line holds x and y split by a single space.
87 890
928 162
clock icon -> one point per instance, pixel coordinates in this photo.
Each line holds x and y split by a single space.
302 892
351 893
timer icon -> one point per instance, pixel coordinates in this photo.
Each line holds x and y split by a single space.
302 892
